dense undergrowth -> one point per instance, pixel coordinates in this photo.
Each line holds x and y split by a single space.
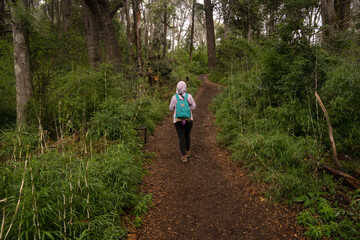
272 124
73 172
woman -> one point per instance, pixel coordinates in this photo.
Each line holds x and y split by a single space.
183 124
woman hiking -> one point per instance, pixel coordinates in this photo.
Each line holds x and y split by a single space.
182 103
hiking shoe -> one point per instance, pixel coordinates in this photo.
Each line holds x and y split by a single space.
184 159
188 154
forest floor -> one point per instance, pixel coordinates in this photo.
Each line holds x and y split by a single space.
209 197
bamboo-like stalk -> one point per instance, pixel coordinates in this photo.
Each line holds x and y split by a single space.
21 216
19 200
61 129
41 131
18 137
64 207
59 215
56 128
35 215
88 195
3 218
14 151
70 199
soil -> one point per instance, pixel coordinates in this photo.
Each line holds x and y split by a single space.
209 197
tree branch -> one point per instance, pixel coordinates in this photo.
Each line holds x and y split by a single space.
335 156
117 7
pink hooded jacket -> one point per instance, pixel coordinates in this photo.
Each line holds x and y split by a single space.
181 90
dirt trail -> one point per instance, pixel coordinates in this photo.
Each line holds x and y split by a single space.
208 197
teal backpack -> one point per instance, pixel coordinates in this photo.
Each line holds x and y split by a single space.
182 108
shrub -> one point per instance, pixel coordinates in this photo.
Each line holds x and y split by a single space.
65 195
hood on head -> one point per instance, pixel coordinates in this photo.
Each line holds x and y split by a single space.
181 87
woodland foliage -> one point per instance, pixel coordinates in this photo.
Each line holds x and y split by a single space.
101 69
273 126
74 169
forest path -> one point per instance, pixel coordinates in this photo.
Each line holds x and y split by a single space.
208 197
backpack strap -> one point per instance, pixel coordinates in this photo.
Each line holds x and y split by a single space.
177 97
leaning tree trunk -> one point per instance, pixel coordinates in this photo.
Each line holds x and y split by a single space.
192 30
22 67
210 34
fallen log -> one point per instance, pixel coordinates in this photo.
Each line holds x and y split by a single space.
353 182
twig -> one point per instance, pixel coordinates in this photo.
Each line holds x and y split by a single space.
335 156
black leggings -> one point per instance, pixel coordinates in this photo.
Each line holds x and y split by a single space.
183 132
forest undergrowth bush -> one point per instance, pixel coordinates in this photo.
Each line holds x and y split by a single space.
83 186
271 122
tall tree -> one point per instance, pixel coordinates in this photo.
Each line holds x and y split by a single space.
128 22
24 87
101 17
137 31
165 30
192 29
2 18
210 33
92 38
336 16
65 14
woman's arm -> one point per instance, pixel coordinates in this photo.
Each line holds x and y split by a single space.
172 103
191 102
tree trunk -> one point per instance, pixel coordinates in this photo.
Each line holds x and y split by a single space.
165 32
137 31
210 34
249 23
173 37
328 18
342 9
101 16
146 24
66 14
226 13
192 30
336 15
272 21
2 18
92 38
128 23
57 13
24 87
